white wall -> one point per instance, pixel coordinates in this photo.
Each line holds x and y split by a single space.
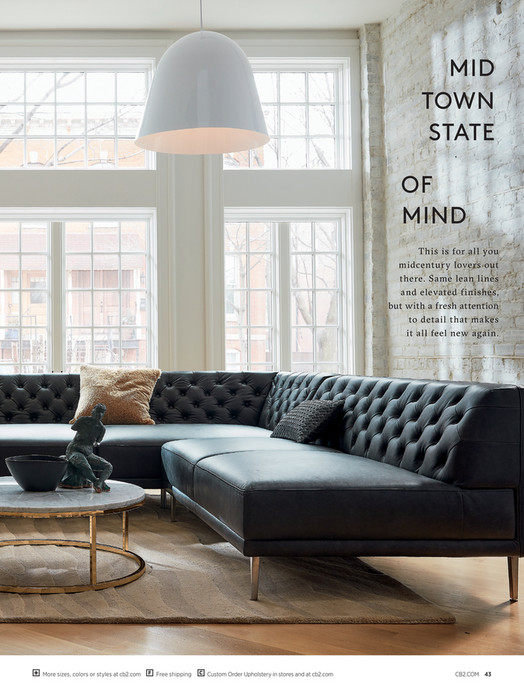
483 177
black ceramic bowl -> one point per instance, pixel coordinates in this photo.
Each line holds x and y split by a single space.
37 472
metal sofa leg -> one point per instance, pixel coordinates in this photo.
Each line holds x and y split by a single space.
254 565
513 573
163 497
172 505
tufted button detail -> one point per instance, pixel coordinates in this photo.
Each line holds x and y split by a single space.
45 407
8 396
185 416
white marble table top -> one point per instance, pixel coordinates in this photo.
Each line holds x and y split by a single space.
121 496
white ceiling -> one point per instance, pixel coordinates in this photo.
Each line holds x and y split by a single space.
183 15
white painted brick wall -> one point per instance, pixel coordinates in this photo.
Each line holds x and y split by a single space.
484 177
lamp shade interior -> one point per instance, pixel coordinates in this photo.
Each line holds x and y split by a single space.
203 99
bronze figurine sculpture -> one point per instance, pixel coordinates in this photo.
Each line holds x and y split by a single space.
81 459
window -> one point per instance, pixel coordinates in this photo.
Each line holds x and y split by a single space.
286 293
304 109
76 290
292 295
72 115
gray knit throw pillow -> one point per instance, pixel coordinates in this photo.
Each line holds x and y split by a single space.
308 421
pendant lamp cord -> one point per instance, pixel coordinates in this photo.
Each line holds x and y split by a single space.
201 21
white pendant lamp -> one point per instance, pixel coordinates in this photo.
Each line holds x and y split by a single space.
203 99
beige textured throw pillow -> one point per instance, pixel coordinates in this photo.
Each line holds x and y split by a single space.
125 393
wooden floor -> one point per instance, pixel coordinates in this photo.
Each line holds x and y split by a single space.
474 590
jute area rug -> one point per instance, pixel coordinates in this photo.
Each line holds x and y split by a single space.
192 576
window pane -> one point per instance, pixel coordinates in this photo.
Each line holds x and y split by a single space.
293 87
11 153
133 236
11 119
129 118
11 87
70 87
260 276
326 308
79 308
293 120
106 346
236 307
302 345
78 237
326 236
293 153
101 87
34 238
260 345
70 153
321 87
40 120
33 345
100 120
131 87
322 152
40 87
301 236
322 120
40 153
78 346
260 306
266 83
302 308
235 236
326 276
70 119
259 236
105 237
327 344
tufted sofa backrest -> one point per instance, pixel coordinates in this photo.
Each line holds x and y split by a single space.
38 398
210 397
288 390
467 434
178 397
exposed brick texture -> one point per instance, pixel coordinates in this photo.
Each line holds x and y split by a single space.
483 177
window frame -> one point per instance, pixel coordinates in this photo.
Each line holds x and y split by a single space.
340 66
85 64
282 288
56 292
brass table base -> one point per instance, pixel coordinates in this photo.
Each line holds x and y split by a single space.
90 545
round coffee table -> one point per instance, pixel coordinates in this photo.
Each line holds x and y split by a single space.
63 503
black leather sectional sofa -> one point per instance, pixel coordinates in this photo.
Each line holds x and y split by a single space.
412 467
